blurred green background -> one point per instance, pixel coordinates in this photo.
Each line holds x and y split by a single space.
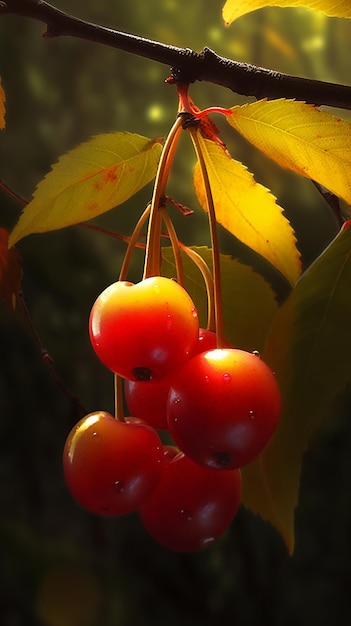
60 566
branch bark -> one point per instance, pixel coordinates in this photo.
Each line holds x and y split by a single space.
186 64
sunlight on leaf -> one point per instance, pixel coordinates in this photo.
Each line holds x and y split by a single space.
236 8
300 137
249 304
248 210
2 107
312 364
88 181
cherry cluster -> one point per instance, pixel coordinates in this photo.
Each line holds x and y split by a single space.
219 405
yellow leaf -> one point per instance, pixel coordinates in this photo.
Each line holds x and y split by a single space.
248 210
88 181
236 8
300 137
2 107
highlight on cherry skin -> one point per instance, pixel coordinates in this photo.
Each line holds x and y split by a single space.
191 506
110 466
149 401
223 408
146 330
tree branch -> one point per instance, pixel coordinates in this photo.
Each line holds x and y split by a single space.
187 65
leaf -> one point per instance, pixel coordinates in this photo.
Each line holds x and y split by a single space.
300 137
10 271
311 357
248 210
237 8
2 107
249 304
88 181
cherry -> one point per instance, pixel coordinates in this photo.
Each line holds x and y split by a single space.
223 407
110 466
149 402
191 506
144 331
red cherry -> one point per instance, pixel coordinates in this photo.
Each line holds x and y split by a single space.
149 401
110 466
223 408
191 506
208 341
144 331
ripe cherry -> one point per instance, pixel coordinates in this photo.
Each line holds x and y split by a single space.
149 402
144 331
223 408
110 466
191 506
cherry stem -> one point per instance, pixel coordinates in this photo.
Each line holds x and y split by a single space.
119 407
208 280
133 243
214 239
204 112
175 246
186 104
153 247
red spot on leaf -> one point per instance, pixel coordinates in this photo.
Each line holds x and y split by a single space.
93 207
109 176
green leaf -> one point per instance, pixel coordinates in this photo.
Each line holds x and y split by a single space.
249 304
88 181
236 8
300 137
248 210
311 357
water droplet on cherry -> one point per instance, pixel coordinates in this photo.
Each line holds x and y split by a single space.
186 515
251 414
206 541
256 353
119 486
227 378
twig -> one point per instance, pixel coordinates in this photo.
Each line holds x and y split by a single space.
48 360
187 65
